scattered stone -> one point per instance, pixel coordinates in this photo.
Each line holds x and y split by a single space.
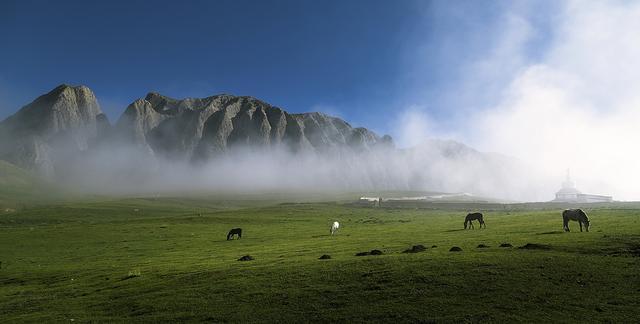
455 249
415 249
325 257
506 245
434 246
482 246
362 253
535 246
246 258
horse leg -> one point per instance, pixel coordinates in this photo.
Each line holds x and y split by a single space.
580 222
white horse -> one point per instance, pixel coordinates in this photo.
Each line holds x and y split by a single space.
334 227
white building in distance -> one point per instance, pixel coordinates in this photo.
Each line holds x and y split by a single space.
569 193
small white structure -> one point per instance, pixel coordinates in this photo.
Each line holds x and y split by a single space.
334 227
569 193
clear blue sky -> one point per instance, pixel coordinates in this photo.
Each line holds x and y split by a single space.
363 60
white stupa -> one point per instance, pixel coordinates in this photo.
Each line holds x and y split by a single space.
569 193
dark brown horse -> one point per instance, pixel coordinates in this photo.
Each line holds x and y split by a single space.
575 215
234 231
474 216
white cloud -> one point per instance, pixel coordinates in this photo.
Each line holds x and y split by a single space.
414 126
579 107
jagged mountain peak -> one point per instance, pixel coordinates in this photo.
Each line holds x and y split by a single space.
184 129
205 127
63 108
65 117
63 86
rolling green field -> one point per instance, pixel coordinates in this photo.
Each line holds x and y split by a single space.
167 259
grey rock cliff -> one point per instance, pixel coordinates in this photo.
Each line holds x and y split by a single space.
59 122
66 124
202 128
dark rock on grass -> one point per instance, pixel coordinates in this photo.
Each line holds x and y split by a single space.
535 246
505 245
434 246
415 249
372 252
246 258
325 257
455 249
482 246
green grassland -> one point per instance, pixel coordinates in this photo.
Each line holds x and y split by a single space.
167 259
16 186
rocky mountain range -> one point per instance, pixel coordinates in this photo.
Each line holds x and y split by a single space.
225 142
202 128
68 121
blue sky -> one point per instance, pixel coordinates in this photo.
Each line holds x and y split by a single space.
363 60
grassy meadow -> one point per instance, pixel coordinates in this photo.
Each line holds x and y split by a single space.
167 259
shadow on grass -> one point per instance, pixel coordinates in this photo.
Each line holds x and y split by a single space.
552 232
535 246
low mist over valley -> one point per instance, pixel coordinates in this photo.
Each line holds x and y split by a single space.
225 142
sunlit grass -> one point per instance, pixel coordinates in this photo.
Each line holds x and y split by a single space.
170 261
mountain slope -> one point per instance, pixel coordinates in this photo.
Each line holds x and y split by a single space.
61 122
17 186
202 128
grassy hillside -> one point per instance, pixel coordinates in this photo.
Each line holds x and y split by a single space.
16 186
167 260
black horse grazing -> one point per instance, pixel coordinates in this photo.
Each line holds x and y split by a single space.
234 231
474 216
575 215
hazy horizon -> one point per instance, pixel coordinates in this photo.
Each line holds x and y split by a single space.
550 83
